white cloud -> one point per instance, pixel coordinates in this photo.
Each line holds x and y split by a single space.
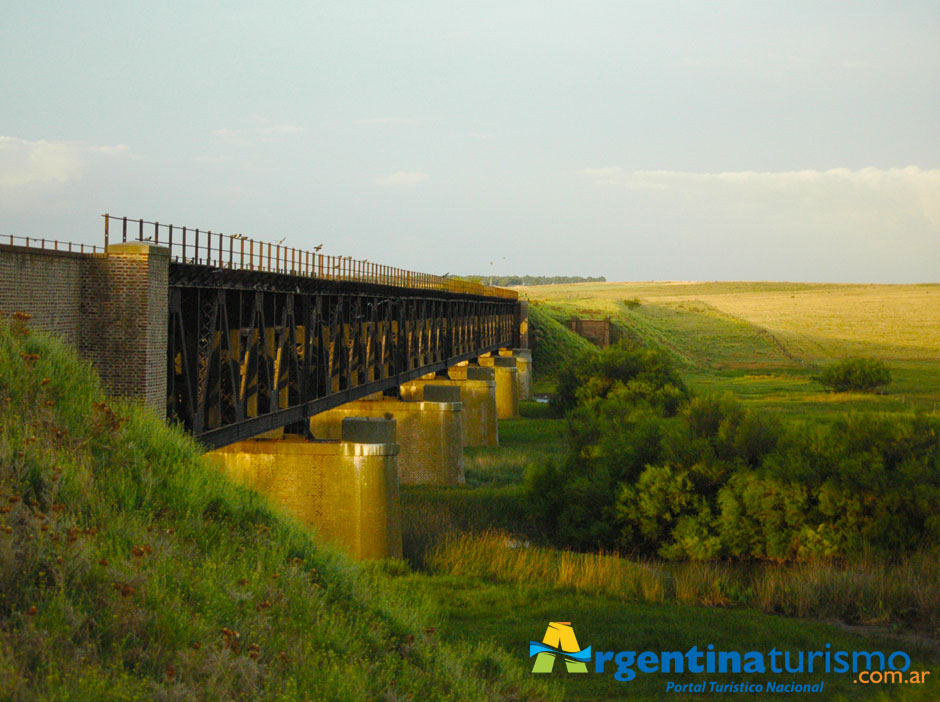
838 192
389 120
47 162
402 179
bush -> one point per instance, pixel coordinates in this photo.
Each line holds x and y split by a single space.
645 375
707 478
855 374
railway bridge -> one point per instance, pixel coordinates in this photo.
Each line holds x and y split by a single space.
320 380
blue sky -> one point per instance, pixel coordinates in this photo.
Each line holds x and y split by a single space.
636 140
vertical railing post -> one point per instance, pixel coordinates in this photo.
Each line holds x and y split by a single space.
107 219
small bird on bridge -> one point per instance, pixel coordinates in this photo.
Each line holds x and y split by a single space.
317 248
280 241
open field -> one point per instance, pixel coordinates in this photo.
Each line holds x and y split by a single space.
495 590
765 341
813 321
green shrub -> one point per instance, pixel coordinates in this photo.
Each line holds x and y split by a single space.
855 374
717 480
646 375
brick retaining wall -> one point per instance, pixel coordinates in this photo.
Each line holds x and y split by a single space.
112 308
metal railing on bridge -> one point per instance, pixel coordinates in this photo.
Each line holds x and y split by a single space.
34 242
239 252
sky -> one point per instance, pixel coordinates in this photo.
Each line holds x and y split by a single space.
723 140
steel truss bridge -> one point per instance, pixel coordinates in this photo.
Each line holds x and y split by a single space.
263 336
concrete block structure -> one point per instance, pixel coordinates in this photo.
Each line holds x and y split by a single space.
346 490
477 388
524 367
507 384
430 435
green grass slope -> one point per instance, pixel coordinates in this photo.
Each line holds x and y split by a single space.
130 570
551 341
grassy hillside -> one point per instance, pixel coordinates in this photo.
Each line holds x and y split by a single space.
766 341
130 570
552 342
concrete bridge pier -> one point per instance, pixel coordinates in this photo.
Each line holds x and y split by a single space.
429 433
347 490
507 384
477 388
524 367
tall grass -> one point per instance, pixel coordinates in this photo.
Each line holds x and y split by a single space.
130 569
866 591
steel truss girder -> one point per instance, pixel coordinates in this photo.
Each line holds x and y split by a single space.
242 361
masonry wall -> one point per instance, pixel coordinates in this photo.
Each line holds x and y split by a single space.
112 308
46 285
597 331
124 321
